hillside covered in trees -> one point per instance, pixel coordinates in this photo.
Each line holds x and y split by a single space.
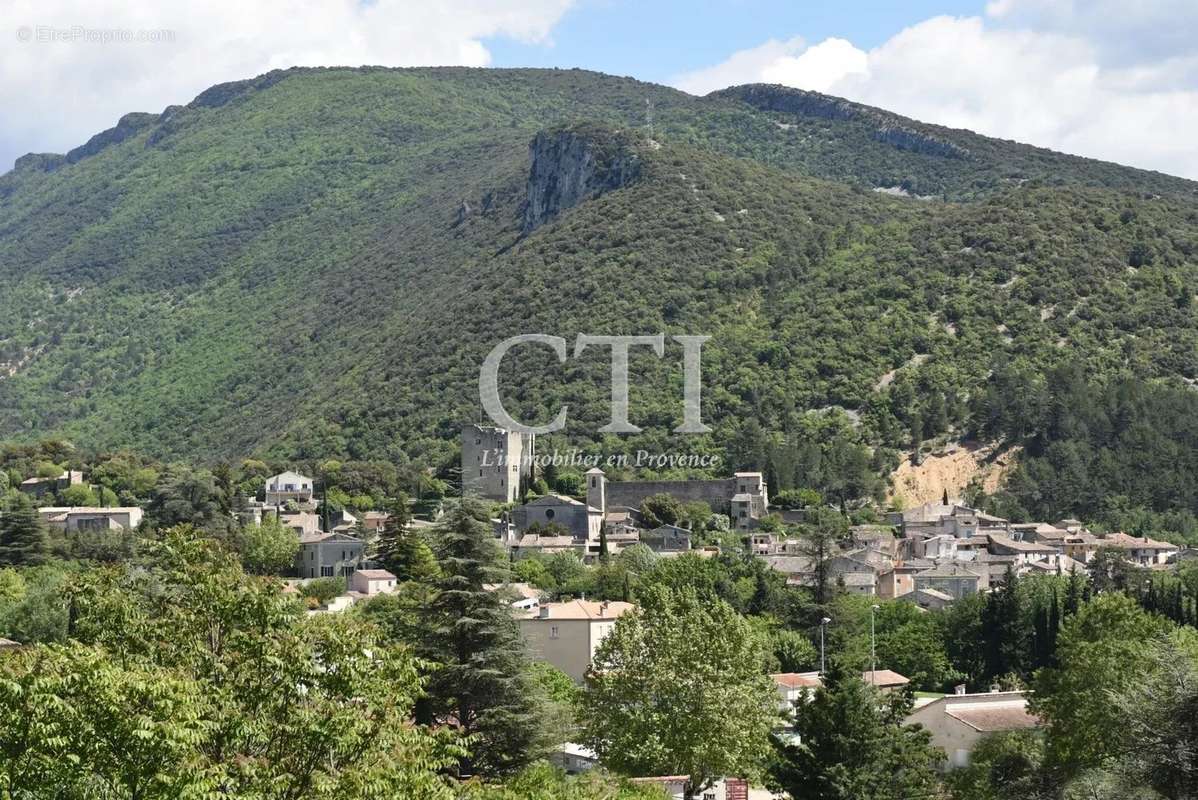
314 263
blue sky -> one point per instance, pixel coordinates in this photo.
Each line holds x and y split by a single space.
1110 79
657 40
654 40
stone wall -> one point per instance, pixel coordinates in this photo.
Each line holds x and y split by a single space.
716 493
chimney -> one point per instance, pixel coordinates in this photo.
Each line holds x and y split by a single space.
603 608
959 689
544 612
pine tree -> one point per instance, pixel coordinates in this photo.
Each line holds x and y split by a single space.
479 683
402 550
856 744
23 538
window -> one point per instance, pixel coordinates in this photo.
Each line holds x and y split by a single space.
553 632
549 513
326 572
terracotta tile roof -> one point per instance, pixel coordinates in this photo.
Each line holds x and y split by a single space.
797 680
581 609
1122 540
884 677
1006 716
375 574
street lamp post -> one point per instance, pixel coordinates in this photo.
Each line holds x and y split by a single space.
823 623
873 646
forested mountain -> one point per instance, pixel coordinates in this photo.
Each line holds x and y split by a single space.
314 263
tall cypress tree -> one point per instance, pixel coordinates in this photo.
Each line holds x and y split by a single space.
1054 628
1002 621
480 683
23 538
1073 593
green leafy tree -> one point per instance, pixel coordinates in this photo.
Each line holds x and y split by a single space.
1159 715
36 609
544 782
820 542
480 683
322 590
661 509
1104 646
677 688
1003 766
793 651
79 494
184 677
267 549
856 746
188 497
23 538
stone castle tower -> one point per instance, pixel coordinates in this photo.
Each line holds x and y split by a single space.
495 462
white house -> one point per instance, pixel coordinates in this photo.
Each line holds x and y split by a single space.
1141 550
288 486
372 581
958 722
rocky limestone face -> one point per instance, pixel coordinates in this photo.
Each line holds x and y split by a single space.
570 166
886 127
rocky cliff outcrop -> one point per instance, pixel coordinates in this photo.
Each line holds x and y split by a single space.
572 165
127 126
885 127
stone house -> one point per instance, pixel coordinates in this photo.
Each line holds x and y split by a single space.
1024 552
899 579
928 599
1140 550
567 634
40 487
327 555
667 539
536 544
954 580
88 518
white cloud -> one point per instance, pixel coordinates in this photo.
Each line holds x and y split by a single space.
745 62
1051 87
819 67
56 94
1125 31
